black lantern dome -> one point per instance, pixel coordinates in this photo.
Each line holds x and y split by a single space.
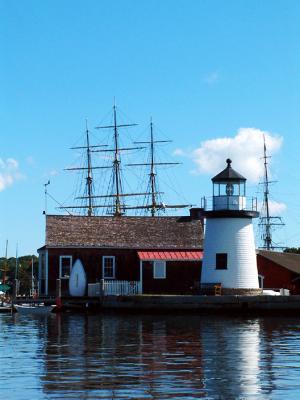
229 196
229 182
228 174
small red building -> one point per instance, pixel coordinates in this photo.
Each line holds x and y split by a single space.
152 254
279 270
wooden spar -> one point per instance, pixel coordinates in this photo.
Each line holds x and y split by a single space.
158 206
17 261
154 206
117 182
89 179
113 195
266 221
85 147
85 168
117 204
152 173
155 163
120 149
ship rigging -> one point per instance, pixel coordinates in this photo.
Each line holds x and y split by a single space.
267 222
114 201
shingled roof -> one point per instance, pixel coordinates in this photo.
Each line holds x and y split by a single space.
124 232
290 261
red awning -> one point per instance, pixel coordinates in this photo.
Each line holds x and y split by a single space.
170 255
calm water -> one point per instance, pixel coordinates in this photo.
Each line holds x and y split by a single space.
148 357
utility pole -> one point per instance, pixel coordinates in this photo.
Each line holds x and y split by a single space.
5 264
46 195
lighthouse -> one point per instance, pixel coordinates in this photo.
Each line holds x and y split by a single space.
229 248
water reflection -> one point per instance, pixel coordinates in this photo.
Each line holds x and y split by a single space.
231 358
136 357
149 357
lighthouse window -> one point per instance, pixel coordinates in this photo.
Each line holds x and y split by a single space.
221 261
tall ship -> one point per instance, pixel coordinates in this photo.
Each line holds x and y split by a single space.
103 187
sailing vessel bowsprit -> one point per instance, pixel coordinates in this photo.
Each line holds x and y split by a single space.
114 200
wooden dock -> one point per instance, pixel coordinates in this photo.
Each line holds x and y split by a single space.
262 304
4 309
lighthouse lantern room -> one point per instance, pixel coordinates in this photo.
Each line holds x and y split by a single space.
229 248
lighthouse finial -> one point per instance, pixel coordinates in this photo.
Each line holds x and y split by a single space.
228 162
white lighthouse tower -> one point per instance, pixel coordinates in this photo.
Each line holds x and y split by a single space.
229 249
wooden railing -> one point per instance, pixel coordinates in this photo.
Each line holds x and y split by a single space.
114 288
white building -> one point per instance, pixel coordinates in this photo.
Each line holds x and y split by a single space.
229 249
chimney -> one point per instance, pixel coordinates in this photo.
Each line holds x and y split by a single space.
196 213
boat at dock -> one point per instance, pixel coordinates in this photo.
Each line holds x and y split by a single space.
34 308
5 308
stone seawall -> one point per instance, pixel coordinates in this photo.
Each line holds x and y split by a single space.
226 303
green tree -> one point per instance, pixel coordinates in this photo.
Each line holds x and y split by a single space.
295 250
22 272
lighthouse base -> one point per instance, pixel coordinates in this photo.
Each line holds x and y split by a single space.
217 289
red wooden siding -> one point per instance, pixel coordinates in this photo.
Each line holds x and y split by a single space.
127 264
182 277
276 276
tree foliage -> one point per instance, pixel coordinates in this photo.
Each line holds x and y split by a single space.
295 250
22 270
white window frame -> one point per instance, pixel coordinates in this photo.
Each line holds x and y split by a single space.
60 266
114 267
155 275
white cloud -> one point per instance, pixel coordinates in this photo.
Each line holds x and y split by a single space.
178 152
30 160
9 173
245 150
53 172
275 208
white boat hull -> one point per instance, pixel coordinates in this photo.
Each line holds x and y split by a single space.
77 281
33 309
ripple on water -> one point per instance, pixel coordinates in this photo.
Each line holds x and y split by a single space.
148 357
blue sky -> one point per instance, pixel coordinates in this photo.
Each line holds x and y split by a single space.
202 69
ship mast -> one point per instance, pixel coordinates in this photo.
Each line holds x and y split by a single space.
116 204
117 190
89 176
89 179
155 206
152 173
5 264
116 167
266 221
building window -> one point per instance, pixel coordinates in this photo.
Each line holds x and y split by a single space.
159 270
221 261
108 267
65 267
